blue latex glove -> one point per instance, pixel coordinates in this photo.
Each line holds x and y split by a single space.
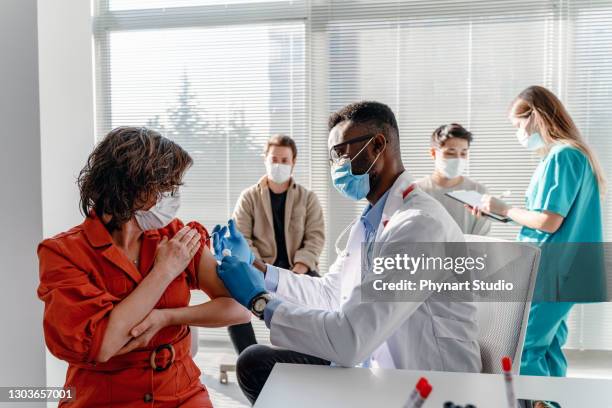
242 280
236 242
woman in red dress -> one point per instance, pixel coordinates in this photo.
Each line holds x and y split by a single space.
116 288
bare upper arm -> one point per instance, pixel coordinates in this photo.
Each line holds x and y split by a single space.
207 276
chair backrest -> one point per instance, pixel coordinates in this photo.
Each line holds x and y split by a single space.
502 324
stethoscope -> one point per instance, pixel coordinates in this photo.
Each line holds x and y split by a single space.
344 252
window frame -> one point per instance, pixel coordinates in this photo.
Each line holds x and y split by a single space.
317 78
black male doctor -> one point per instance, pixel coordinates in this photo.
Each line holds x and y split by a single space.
322 320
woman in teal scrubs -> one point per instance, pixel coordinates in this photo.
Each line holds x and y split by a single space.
563 205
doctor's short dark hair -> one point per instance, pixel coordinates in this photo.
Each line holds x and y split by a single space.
380 117
128 169
452 130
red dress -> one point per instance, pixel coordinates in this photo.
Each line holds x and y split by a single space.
83 275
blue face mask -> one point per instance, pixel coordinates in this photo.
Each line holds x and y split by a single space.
531 141
348 184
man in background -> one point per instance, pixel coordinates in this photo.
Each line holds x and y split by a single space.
450 145
281 220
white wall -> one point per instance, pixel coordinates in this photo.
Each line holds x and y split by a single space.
47 74
21 342
66 117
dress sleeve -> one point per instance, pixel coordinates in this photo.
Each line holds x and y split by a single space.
192 268
76 310
561 181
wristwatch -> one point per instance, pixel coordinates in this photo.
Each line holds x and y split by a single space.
259 303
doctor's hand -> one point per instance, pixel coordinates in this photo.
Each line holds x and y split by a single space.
144 331
490 204
235 242
242 280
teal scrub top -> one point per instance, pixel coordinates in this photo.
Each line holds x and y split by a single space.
564 183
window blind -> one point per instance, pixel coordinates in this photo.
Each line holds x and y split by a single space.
434 63
587 90
220 77
217 78
220 92
464 61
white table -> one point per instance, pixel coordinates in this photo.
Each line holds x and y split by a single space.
297 386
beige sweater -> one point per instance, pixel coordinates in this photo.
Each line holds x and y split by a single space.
304 225
468 223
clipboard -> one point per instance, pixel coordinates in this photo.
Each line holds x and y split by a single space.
472 198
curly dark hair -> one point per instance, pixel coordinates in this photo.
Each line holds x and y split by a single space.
129 167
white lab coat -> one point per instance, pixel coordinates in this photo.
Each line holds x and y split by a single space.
325 317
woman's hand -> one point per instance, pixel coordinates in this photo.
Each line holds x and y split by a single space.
174 255
493 205
171 259
142 334
475 211
219 312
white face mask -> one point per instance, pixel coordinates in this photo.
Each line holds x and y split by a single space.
450 168
161 214
529 141
278 172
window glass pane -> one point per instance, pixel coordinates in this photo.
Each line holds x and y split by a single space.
222 90
436 65
220 93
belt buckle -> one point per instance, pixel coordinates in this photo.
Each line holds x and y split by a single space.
154 365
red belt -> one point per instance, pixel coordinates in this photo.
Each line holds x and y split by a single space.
158 359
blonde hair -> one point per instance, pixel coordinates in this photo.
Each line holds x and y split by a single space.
555 124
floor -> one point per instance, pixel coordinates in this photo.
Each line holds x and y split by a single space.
589 364
217 350
210 355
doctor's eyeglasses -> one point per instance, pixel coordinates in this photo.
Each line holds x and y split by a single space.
338 152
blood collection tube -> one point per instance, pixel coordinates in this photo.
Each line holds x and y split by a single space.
507 368
419 394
